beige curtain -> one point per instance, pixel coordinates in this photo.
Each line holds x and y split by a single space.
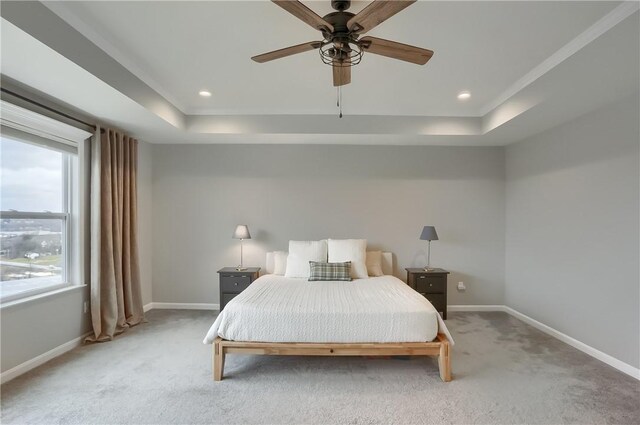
116 301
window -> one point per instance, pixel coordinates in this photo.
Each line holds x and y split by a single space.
43 203
35 220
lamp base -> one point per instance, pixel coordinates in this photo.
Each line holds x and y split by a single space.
428 269
240 268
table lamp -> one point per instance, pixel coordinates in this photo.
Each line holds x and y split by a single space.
429 234
242 233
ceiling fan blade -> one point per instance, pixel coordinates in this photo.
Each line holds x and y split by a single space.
395 50
376 13
341 75
287 51
305 14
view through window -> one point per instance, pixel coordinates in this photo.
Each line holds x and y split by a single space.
34 223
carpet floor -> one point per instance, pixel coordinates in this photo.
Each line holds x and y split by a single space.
160 372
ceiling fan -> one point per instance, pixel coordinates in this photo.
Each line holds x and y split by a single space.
342 47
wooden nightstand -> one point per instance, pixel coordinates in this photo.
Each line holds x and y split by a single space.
233 282
432 285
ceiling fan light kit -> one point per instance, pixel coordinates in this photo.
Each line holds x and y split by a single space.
342 46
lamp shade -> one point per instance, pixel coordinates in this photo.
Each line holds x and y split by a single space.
242 232
429 234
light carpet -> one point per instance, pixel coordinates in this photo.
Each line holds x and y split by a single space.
160 372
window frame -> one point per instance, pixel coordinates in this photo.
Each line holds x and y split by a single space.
26 126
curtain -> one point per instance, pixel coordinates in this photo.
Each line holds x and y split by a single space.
116 300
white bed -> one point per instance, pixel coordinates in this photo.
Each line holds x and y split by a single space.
374 310
377 316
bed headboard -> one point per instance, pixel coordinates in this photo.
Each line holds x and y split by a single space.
269 265
387 262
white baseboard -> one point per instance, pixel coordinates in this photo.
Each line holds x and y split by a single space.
479 307
593 352
181 306
41 359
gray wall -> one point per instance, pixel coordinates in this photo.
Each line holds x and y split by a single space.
572 229
384 194
32 328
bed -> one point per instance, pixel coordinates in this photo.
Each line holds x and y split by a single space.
381 316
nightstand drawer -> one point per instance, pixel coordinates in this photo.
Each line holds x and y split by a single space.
431 284
234 284
228 297
439 301
243 277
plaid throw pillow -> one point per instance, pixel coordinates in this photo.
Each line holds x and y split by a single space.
329 271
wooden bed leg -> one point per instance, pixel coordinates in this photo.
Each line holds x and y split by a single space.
444 360
218 359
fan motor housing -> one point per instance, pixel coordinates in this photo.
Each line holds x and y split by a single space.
339 21
341 5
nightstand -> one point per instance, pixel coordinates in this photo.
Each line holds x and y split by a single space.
233 282
430 284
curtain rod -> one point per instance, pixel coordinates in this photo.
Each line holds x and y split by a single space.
50 109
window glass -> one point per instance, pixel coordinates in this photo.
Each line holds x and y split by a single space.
32 248
31 177
34 218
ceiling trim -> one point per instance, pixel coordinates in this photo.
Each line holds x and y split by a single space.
332 125
601 26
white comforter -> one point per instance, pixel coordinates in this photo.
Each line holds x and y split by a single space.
279 309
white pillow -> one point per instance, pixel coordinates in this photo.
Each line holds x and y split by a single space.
280 262
354 250
300 253
374 263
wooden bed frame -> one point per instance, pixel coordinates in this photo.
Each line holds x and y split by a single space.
440 348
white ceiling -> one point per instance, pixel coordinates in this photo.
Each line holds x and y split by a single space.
180 48
529 66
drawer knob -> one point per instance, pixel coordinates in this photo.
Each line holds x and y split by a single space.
431 284
422 277
235 284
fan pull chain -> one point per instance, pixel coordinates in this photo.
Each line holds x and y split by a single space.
339 103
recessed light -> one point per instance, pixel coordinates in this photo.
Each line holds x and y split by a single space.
464 95
204 93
